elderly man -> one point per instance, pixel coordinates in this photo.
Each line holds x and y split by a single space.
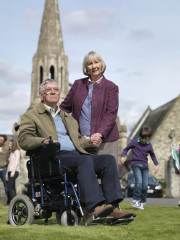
4 155
46 119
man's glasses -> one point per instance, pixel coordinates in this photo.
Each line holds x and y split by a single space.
50 90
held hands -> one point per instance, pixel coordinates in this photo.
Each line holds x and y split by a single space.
122 160
156 169
96 139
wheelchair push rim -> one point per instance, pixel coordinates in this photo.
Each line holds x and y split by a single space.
21 210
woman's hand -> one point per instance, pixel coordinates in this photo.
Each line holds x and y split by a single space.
12 174
96 139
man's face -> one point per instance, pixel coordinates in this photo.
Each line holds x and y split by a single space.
1 141
51 94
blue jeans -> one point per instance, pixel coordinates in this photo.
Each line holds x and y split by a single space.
3 178
141 174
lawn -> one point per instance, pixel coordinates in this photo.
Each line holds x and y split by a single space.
155 222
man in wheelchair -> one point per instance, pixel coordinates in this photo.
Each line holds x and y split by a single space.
46 119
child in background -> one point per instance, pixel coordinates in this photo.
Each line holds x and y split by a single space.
141 147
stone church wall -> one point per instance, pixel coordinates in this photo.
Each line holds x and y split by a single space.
166 137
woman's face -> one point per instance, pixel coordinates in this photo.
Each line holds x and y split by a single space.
94 68
10 145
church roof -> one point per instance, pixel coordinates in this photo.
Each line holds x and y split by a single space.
152 118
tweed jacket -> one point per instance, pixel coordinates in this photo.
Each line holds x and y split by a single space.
4 155
104 107
37 124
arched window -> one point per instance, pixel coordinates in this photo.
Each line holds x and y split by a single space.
41 74
61 77
51 73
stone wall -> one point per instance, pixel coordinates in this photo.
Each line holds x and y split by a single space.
172 181
166 137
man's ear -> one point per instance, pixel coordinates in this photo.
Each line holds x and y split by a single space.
41 96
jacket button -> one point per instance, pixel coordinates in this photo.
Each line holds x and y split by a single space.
93 99
92 124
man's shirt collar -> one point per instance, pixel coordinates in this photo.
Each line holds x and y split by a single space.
52 111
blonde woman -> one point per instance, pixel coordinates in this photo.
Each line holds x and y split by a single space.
93 102
13 168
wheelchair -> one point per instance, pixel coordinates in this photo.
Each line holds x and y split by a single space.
52 188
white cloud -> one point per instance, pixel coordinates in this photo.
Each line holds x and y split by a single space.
92 23
10 74
14 95
11 107
130 112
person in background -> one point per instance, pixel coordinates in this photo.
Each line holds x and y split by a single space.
141 147
13 168
4 155
93 102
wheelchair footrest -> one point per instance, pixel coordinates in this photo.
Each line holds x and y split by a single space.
120 221
108 221
96 220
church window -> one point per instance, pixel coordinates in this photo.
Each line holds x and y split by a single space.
51 73
41 74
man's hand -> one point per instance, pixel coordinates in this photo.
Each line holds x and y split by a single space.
47 140
96 139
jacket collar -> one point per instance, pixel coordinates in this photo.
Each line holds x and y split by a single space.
41 108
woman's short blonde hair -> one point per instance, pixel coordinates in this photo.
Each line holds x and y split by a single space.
93 56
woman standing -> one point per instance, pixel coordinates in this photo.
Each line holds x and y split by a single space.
94 103
13 168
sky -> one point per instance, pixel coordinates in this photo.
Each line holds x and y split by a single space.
139 41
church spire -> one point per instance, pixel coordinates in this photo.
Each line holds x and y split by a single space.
50 61
50 40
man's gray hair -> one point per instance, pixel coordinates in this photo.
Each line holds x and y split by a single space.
41 87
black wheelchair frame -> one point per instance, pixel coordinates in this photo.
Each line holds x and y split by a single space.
49 191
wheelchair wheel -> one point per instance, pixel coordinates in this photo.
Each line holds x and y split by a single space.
66 219
21 210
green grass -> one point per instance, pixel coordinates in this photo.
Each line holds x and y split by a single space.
155 222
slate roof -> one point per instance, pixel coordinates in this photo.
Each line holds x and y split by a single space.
153 119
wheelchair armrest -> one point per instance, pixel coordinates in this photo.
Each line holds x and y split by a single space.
48 150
